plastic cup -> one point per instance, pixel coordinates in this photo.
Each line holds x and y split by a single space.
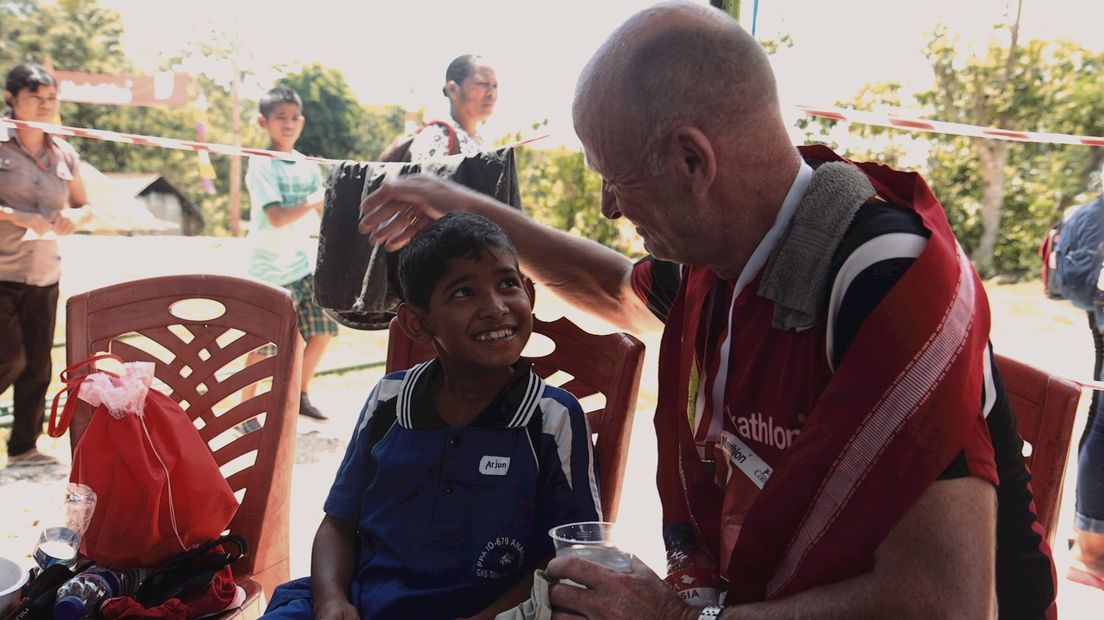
56 545
80 503
592 541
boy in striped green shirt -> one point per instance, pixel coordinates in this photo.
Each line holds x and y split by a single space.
281 194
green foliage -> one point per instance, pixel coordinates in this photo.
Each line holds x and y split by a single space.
76 31
559 190
1051 87
78 35
378 127
333 113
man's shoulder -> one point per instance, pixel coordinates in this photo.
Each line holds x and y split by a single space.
878 247
874 221
878 217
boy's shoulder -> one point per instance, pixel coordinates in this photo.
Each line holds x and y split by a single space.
390 384
259 165
561 396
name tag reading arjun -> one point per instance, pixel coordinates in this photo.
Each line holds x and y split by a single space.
494 465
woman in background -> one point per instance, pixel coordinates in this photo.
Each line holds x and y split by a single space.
39 182
472 90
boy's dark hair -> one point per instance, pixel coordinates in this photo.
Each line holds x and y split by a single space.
459 70
276 96
423 261
28 75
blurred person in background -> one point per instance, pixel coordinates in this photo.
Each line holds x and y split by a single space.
1088 549
40 184
472 90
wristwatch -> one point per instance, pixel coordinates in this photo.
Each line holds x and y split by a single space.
710 611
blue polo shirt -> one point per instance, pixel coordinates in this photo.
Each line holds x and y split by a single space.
449 518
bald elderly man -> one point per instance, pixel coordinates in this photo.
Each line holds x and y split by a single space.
831 426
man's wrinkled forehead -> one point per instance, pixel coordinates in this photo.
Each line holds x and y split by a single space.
596 124
598 152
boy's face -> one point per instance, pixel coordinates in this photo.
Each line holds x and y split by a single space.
480 311
283 124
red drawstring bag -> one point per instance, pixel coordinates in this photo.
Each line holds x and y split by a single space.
159 489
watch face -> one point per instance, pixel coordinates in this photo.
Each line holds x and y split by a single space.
711 611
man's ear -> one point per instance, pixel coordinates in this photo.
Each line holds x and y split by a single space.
413 323
452 87
692 155
262 122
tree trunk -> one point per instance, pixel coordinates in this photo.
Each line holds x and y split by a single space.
994 157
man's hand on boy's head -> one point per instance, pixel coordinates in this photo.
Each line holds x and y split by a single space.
396 211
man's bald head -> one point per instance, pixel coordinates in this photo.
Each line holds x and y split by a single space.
671 64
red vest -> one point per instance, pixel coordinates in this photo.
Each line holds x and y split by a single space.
845 454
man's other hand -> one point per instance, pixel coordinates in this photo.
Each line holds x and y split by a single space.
611 595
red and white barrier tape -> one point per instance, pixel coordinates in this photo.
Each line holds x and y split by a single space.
184 145
168 143
955 129
838 114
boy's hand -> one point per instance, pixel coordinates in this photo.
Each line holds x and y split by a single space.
337 608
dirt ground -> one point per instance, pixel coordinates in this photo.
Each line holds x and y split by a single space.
1048 334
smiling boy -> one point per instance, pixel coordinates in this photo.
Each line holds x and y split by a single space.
459 466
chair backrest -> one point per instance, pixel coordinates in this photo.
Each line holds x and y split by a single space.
199 359
1045 406
609 365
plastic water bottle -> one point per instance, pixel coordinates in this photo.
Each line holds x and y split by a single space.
82 595
691 569
59 544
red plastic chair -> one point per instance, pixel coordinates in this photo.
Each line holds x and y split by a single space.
195 359
1045 406
609 365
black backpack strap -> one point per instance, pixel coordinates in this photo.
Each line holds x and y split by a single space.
383 418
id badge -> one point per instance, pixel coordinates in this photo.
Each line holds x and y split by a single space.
64 172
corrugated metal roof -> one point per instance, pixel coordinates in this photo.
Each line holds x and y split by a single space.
115 209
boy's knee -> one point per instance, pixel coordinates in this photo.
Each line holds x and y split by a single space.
292 601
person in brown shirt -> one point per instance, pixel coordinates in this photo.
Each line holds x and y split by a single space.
39 182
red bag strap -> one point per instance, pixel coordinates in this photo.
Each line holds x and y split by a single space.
454 141
57 426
